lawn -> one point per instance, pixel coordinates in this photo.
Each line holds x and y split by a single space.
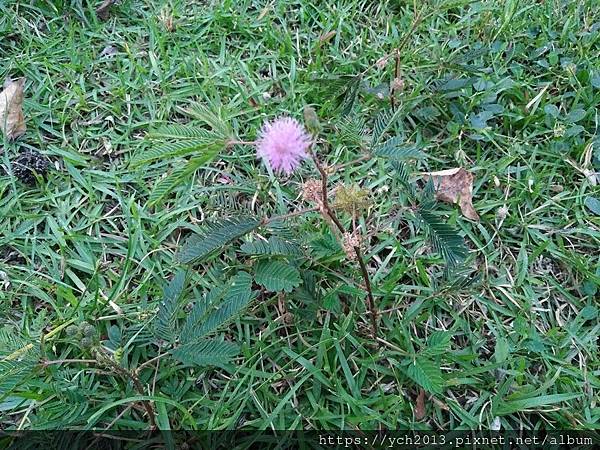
506 338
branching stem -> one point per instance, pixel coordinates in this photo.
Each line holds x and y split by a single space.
330 214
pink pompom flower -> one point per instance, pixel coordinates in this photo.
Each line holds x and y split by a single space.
283 144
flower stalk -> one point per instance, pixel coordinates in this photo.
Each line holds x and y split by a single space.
330 215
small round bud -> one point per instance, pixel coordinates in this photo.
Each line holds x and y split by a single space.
311 191
397 84
89 331
83 325
311 120
86 342
350 242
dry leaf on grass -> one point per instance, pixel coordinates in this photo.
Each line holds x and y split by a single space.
420 405
12 121
455 186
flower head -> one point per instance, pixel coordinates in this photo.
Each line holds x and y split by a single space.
311 191
350 242
283 143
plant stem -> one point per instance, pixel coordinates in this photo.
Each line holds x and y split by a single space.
370 299
136 383
47 363
236 142
363 268
267 220
150 362
337 167
324 199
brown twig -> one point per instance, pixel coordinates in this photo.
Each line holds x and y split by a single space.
231 142
335 168
370 299
124 373
150 362
132 375
268 220
418 19
397 51
329 213
47 363
324 199
396 77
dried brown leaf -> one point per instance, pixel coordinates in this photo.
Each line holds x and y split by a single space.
455 186
12 121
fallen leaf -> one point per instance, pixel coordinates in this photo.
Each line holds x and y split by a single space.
420 405
455 186
102 11
12 121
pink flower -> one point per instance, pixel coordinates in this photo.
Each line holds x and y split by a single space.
283 143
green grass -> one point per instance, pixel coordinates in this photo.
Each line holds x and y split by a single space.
509 90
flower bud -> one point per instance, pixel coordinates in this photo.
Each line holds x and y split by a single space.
311 120
350 242
311 191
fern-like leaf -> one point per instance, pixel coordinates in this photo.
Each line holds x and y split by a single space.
276 276
437 344
446 241
403 176
383 122
166 319
220 305
179 131
350 95
214 236
167 184
18 358
325 247
209 144
426 374
394 149
352 131
274 246
205 352
210 117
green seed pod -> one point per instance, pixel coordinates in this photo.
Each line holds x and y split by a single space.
83 325
86 342
89 331
72 330
311 120
118 355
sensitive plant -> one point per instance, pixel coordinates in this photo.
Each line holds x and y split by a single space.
270 258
